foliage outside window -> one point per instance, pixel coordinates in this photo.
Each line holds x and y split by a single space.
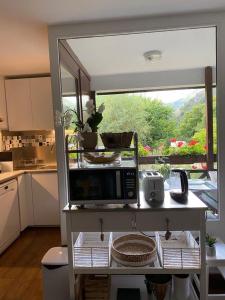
169 127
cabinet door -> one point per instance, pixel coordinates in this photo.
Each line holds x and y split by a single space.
41 101
18 104
9 208
3 113
45 198
25 201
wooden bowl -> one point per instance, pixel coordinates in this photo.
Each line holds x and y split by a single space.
134 250
99 159
117 140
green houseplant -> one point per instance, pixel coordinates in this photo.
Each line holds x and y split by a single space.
210 245
85 132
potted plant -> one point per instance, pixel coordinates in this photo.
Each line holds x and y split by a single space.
86 132
210 245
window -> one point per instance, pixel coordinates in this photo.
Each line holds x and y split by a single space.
172 130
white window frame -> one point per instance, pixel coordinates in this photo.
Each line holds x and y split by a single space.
138 25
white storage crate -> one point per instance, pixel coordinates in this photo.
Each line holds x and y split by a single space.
181 251
90 251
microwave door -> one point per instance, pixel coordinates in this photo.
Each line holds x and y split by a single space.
94 185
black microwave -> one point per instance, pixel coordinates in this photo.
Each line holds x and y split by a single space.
102 186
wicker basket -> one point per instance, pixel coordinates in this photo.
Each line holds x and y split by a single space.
134 250
117 140
92 287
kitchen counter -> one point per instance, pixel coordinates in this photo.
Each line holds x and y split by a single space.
14 174
193 203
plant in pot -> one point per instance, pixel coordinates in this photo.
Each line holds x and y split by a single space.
86 133
210 245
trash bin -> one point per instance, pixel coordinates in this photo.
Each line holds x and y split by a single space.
55 274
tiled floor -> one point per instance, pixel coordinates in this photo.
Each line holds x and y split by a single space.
20 264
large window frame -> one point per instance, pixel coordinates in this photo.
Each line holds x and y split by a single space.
209 158
147 24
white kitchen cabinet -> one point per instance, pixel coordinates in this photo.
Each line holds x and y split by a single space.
29 104
45 198
25 201
9 209
18 104
3 112
41 102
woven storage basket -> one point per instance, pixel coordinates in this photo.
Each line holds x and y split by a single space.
92 287
96 287
117 140
134 250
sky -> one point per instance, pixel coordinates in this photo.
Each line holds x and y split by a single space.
170 96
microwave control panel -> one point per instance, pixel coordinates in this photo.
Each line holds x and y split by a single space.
130 184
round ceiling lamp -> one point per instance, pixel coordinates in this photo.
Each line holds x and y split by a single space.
153 55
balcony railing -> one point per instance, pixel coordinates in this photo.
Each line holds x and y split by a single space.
175 159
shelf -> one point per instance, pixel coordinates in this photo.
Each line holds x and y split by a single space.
117 269
147 218
95 257
101 150
137 282
85 165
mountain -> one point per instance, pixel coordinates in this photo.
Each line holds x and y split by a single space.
183 105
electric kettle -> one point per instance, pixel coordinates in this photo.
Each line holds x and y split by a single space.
178 185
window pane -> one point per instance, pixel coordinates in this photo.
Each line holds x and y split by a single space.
167 122
171 127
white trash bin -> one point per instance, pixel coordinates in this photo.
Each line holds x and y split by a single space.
55 274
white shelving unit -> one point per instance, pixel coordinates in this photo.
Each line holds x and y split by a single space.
137 281
116 218
80 165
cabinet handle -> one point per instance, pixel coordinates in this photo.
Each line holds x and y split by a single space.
6 187
1 120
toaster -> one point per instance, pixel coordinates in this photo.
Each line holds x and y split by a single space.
153 186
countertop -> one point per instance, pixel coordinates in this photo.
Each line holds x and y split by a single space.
14 174
193 202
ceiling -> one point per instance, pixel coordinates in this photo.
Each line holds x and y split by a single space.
181 50
23 24
57 11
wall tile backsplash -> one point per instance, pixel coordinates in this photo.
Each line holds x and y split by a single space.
20 139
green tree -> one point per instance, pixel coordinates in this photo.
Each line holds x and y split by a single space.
161 119
124 112
192 121
150 118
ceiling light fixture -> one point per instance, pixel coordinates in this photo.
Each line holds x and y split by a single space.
153 55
